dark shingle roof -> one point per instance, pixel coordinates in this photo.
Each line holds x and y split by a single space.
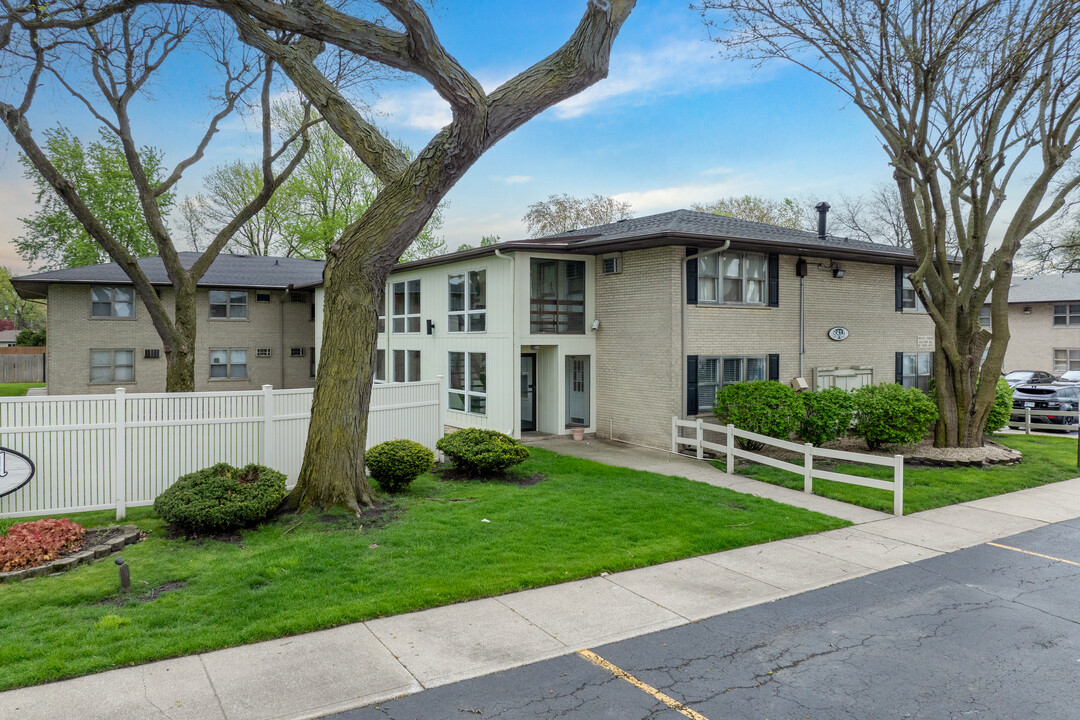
239 271
1063 287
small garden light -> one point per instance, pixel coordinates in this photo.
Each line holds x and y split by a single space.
125 574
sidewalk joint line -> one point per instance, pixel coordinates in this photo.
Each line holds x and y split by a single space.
640 685
1029 552
499 599
396 658
213 688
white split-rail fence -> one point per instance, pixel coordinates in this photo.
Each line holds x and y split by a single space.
99 452
808 450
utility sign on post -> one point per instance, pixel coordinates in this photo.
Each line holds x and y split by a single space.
15 471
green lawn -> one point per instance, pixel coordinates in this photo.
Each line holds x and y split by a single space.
1046 460
302 574
16 389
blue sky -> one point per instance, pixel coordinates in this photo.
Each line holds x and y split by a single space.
672 125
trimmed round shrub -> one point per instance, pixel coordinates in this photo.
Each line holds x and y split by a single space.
828 415
482 453
221 498
765 407
888 414
396 463
998 416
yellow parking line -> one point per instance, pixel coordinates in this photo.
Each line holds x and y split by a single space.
644 687
1028 552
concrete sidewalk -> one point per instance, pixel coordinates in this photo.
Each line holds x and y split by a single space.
312 675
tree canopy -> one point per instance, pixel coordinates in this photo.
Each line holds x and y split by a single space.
561 213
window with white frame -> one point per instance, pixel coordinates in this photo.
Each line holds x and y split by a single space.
984 317
380 366
1066 359
468 382
1067 314
909 298
406 366
716 372
112 366
228 363
733 277
467 302
228 304
918 369
112 302
405 316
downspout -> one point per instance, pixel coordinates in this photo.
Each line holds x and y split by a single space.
281 330
515 350
682 304
802 323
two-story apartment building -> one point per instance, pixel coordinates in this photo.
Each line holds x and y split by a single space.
1044 323
617 328
254 326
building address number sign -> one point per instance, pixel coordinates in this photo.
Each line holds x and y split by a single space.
15 471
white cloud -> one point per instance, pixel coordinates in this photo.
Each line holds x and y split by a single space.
681 196
718 171
420 109
516 179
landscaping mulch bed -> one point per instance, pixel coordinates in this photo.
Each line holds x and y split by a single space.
448 473
96 543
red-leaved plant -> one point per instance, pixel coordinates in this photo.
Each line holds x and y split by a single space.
34 543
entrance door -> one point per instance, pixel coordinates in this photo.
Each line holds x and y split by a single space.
577 391
528 392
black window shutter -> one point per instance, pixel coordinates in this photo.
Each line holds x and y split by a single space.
899 289
691 278
774 367
899 368
774 280
691 385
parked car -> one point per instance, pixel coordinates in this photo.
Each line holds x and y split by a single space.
1028 377
1047 404
1070 378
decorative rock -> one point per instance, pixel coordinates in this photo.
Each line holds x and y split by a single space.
61 565
83 556
99 551
11 576
117 543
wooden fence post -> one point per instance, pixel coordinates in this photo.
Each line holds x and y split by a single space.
808 468
120 455
700 441
898 485
730 448
268 427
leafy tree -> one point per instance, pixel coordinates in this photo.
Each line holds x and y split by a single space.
54 237
972 100
562 213
30 338
783 213
23 313
485 241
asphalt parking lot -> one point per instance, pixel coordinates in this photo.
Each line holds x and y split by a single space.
987 632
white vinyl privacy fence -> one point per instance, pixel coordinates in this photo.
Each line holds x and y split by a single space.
809 454
97 452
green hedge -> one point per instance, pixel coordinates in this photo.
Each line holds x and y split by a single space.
1003 402
765 407
828 415
394 464
221 498
888 414
482 453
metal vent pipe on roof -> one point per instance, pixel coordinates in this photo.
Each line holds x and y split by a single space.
822 212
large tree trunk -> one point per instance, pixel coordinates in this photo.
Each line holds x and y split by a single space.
180 348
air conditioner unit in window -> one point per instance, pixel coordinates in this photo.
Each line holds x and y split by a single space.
298 352
263 352
151 353
611 264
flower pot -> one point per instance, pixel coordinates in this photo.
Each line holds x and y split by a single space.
579 433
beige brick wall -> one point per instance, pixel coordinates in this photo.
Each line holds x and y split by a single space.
639 348
1033 338
73 333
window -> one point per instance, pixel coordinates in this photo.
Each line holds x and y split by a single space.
380 366
112 302
406 366
112 366
228 363
611 264
228 304
909 299
312 363
736 278
557 297
716 372
918 369
264 352
1066 359
468 302
297 352
298 297
984 317
468 382
382 317
406 312
1067 314
262 297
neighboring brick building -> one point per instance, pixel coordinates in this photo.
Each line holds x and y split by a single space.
253 328
1044 323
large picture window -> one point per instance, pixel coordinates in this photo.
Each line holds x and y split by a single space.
468 382
406 366
557 297
405 316
228 304
112 302
736 278
112 366
467 302
228 363
716 372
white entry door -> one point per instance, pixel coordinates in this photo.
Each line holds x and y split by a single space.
577 391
